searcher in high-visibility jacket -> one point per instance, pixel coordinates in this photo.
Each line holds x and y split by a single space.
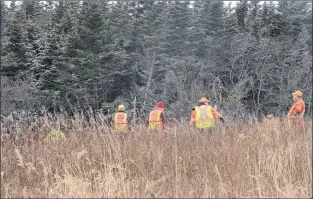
296 112
121 120
205 115
156 118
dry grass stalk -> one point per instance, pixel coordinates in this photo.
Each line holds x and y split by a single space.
266 159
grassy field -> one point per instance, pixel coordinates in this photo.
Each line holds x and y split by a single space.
265 159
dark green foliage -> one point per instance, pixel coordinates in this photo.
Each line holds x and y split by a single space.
97 54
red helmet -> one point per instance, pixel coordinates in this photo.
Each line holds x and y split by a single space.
160 105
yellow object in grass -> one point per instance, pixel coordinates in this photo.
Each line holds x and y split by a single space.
55 136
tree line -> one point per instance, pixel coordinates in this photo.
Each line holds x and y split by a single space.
80 55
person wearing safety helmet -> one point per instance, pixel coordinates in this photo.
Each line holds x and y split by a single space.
297 111
156 117
206 114
121 119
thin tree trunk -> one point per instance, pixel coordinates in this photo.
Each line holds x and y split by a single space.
134 112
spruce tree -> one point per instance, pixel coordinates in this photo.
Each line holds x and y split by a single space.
14 62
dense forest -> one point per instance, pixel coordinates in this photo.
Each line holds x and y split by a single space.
72 56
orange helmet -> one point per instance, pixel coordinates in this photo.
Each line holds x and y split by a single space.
203 99
297 93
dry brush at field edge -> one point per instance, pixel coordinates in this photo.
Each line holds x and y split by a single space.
236 160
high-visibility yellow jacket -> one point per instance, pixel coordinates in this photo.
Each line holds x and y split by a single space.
121 121
156 120
204 117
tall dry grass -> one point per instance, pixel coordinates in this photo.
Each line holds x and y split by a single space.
235 160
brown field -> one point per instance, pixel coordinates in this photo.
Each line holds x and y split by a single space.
237 160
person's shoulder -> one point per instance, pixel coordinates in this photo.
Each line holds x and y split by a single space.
301 101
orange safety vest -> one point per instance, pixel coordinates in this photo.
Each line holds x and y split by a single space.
193 118
155 121
120 121
297 117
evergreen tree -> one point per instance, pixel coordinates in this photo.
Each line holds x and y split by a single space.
14 62
199 42
82 53
33 40
213 17
252 19
241 12
177 28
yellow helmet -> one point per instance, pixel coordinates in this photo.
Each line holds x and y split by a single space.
203 99
121 107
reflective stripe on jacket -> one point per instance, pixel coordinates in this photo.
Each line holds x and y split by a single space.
120 121
204 117
155 120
